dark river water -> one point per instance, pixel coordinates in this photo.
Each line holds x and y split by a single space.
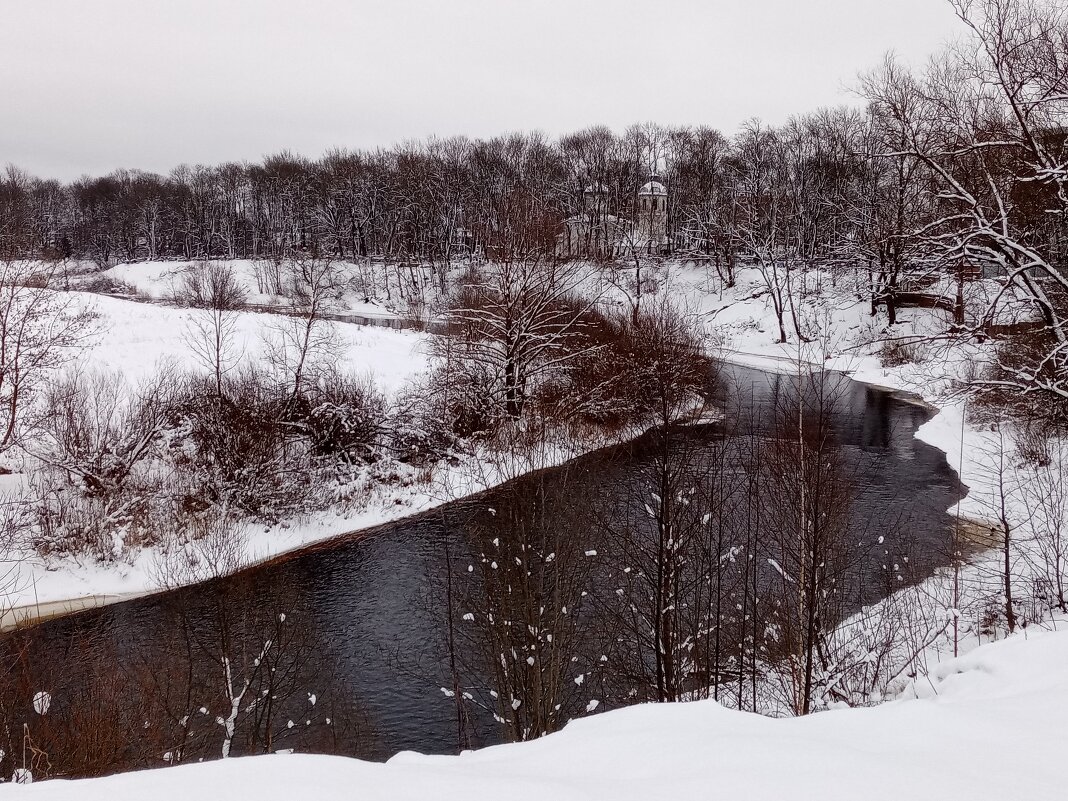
368 603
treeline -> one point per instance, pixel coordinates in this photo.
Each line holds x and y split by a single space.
442 199
431 201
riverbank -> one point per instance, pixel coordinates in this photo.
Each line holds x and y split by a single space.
41 589
959 607
44 588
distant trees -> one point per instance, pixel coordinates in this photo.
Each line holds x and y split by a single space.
956 169
425 202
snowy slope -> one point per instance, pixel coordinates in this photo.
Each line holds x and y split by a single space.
136 338
160 280
990 725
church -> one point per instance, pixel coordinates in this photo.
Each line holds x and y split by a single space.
597 234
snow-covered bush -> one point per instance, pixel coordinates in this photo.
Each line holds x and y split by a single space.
98 471
343 417
210 285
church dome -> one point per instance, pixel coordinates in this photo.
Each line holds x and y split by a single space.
654 187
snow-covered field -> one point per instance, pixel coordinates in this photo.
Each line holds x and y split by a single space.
163 280
989 725
139 338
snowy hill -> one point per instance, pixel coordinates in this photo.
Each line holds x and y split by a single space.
990 725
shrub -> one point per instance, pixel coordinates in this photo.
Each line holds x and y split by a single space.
235 442
98 474
897 353
629 372
210 285
431 417
344 417
107 285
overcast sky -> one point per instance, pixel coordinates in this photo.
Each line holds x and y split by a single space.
88 86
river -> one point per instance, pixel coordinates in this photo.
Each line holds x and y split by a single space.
367 604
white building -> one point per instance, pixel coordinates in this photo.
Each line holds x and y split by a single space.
595 233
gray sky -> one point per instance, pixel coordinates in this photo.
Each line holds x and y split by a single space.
87 86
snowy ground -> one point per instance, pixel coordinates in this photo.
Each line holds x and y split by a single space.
139 338
162 280
989 725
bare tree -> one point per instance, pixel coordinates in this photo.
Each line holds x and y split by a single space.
519 320
40 330
810 553
213 288
985 123
304 343
760 222
1044 495
520 607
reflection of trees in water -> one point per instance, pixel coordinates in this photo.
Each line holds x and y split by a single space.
709 567
226 669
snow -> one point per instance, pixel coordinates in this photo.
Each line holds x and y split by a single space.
160 280
987 726
137 338
42 702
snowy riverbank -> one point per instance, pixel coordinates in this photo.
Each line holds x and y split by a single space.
847 338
